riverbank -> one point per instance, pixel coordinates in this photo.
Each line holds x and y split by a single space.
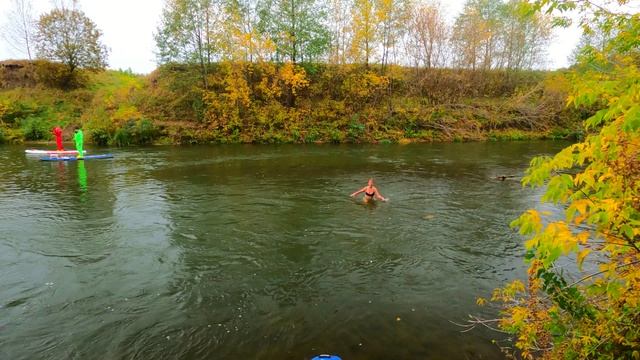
282 103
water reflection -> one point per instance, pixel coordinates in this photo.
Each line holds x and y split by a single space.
82 176
258 252
274 256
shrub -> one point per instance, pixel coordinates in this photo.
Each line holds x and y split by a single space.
355 130
140 132
336 136
34 128
144 132
57 75
313 135
122 137
98 126
13 112
410 133
99 136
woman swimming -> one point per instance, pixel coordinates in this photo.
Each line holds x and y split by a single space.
370 192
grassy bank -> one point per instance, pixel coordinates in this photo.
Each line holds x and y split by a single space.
282 103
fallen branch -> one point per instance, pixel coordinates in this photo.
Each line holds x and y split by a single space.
474 321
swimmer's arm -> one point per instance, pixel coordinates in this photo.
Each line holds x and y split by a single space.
379 196
358 192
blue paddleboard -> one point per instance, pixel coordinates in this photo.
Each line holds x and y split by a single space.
73 158
326 357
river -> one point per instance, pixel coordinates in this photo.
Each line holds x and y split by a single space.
258 252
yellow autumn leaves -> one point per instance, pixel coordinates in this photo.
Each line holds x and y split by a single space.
586 314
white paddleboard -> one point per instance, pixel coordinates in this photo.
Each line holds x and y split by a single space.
51 152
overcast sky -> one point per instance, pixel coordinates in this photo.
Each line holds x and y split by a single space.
128 27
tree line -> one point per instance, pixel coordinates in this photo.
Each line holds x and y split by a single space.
487 34
276 71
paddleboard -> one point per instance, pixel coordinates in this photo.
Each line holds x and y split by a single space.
51 152
326 357
73 158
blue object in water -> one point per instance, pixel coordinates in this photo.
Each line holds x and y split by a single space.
73 158
326 357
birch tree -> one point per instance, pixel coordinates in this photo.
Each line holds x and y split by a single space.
188 33
476 34
296 28
391 17
363 31
243 40
525 36
339 18
19 30
428 35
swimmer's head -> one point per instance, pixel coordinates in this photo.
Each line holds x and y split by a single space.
370 183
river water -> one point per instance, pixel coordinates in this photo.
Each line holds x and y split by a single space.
258 252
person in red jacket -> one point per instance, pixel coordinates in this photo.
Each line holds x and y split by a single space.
58 133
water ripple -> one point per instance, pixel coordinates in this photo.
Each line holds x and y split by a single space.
256 252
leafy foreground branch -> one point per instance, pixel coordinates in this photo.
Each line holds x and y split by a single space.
597 182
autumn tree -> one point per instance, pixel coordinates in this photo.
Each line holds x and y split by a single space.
595 37
297 29
364 37
524 37
20 27
188 33
68 36
339 18
292 79
490 34
392 17
243 41
428 35
592 311
476 33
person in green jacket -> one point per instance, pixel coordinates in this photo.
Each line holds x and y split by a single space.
78 137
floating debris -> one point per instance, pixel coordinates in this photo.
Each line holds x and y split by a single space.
504 177
189 236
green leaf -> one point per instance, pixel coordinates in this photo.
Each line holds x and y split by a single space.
627 230
596 119
632 119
